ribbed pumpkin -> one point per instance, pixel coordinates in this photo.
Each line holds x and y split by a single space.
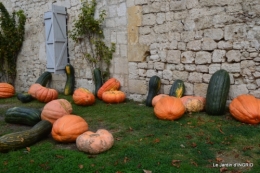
157 98
68 128
246 109
6 90
110 84
169 108
55 109
113 96
95 143
83 97
193 103
33 88
46 95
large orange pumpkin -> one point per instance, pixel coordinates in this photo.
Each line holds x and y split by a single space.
68 128
55 109
194 103
46 94
245 108
95 143
42 93
110 84
33 88
113 96
6 90
157 98
169 108
84 97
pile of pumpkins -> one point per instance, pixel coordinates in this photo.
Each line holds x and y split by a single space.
57 116
58 119
173 106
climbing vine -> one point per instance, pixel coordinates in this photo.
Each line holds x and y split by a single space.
12 29
88 32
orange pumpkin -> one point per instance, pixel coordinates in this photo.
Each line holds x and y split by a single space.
42 93
46 95
157 98
169 108
194 103
68 128
113 96
33 88
6 90
110 84
84 97
245 108
95 143
55 109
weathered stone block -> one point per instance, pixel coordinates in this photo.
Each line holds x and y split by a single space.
174 56
137 86
203 57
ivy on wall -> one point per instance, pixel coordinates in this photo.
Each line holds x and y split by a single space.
12 29
88 32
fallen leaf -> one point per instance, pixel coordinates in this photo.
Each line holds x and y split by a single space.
81 166
156 140
28 149
126 159
194 144
220 130
219 159
60 156
224 169
176 163
147 171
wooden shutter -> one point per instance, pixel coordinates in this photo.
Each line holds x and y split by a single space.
56 39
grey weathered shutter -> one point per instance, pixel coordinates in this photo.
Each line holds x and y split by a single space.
56 39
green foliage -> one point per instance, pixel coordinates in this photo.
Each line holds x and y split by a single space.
89 32
11 36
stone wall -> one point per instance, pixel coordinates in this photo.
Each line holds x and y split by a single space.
32 58
191 39
174 39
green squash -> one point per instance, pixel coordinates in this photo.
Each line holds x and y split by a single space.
97 80
70 82
217 93
22 115
154 87
24 97
25 138
177 88
44 78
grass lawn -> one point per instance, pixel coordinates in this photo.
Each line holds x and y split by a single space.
197 143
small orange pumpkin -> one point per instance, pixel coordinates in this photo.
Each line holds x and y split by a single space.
95 143
68 128
113 96
169 108
194 103
245 108
6 90
157 98
110 84
84 97
55 109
